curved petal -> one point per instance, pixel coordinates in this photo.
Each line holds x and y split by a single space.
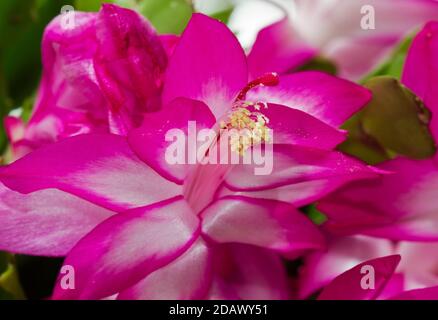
420 73
347 286
293 164
419 264
418 294
100 168
45 223
248 273
208 65
152 139
127 247
342 254
397 206
299 194
292 126
129 62
265 223
326 24
327 98
278 49
186 278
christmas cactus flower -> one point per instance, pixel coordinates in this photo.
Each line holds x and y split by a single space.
165 228
401 205
357 34
416 269
99 75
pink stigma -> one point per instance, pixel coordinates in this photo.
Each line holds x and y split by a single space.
269 79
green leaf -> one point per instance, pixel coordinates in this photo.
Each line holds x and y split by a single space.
3 262
320 64
394 65
88 5
397 119
395 122
224 15
314 214
167 16
10 287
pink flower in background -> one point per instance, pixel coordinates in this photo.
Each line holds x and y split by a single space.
402 205
417 269
99 76
333 29
351 284
157 225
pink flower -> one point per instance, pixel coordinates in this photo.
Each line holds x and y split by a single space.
333 29
99 76
401 205
417 269
189 230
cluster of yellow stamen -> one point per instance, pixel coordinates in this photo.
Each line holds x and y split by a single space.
251 127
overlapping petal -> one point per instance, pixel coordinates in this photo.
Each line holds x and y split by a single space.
267 223
46 223
127 247
100 168
208 64
325 97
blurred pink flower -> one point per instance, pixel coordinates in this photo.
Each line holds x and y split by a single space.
401 205
187 231
333 29
99 76
417 269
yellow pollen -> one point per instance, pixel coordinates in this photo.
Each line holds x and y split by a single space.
251 127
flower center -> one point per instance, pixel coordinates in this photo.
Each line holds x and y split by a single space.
243 127
249 124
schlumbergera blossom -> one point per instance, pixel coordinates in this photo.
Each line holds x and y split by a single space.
357 35
99 76
400 206
148 229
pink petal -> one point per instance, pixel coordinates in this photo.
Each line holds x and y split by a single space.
419 264
169 42
129 63
149 141
265 223
292 126
329 99
127 247
335 28
208 65
186 278
347 286
420 73
299 194
419 294
100 168
343 253
294 164
248 273
68 80
46 223
277 49
357 56
397 206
